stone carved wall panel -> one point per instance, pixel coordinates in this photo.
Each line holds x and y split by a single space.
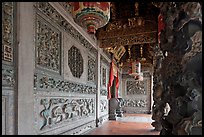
91 69
7 31
104 83
50 83
8 125
54 112
3 115
54 16
7 76
136 87
135 106
136 94
104 75
103 105
8 71
48 46
59 109
135 103
75 61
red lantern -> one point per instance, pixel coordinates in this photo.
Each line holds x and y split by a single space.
91 15
135 68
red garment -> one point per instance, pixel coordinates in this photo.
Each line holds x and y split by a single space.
117 85
111 78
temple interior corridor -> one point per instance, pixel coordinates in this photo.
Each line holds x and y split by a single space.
109 68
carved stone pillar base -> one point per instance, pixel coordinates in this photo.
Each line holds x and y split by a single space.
119 111
157 125
113 104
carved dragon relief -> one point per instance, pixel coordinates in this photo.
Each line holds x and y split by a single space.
60 110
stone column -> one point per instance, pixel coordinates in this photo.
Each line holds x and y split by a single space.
26 56
98 88
113 102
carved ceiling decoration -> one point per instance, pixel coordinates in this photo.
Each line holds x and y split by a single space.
132 25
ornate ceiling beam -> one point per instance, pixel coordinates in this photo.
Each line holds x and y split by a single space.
131 26
129 40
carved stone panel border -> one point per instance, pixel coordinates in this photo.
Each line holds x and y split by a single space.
53 84
48 45
135 103
104 75
57 112
103 106
7 31
91 69
8 127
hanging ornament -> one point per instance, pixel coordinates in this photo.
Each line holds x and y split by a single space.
135 68
91 15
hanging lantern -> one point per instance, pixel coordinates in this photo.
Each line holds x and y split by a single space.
135 68
139 77
91 15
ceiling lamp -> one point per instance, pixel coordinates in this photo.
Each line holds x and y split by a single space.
91 15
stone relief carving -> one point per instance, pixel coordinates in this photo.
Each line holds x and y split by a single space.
7 31
58 110
104 77
75 62
135 103
103 105
66 6
7 76
91 69
135 87
53 15
48 45
50 83
103 92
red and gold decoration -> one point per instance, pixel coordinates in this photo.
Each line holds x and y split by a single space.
113 73
135 70
91 15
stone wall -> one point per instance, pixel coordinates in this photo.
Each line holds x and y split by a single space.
136 94
61 75
8 67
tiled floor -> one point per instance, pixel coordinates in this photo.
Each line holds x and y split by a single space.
132 124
